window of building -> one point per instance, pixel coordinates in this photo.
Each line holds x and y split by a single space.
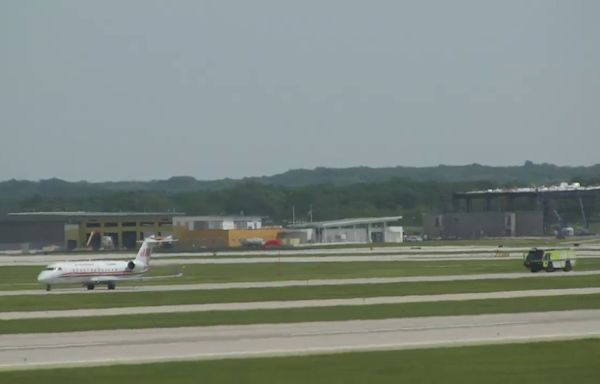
200 225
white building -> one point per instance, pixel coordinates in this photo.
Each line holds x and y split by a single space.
357 230
195 223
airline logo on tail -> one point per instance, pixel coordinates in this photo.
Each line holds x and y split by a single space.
150 242
145 252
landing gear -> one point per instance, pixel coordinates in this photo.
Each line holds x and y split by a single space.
48 287
111 285
89 286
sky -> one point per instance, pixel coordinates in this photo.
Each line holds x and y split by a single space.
141 90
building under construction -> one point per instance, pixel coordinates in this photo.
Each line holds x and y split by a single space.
511 212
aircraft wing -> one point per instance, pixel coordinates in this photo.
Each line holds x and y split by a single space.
143 278
137 277
106 279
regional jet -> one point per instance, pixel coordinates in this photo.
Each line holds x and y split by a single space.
92 273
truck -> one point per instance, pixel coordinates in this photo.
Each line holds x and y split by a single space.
549 259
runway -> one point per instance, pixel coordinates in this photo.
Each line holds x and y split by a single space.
25 351
297 283
293 304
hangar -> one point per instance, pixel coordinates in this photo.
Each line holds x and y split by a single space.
72 230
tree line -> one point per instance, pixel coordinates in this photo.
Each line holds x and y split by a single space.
324 192
410 199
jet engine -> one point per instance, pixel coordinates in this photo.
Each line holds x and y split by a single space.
131 265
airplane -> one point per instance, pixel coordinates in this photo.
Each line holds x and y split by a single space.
92 273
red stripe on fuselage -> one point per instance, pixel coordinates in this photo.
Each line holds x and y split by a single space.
80 274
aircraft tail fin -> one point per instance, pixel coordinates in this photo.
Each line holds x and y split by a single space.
145 251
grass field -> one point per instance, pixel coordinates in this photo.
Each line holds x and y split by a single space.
24 277
367 312
547 362
129 299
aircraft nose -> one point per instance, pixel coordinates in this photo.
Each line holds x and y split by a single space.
42 277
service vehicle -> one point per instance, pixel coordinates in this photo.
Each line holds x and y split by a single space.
549 260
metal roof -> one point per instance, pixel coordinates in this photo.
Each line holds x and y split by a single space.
82 214
562 188
347 222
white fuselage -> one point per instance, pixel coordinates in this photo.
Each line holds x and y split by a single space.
91 272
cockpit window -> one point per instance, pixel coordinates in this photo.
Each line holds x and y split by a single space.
535 255
49 269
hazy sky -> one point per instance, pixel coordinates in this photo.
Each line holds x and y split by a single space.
117 90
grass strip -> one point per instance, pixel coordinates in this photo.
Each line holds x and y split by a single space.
133 299
367 312
553 362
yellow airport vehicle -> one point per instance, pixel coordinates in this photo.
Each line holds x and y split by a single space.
549 259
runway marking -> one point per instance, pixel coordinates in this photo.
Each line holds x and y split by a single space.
410 329
50 346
